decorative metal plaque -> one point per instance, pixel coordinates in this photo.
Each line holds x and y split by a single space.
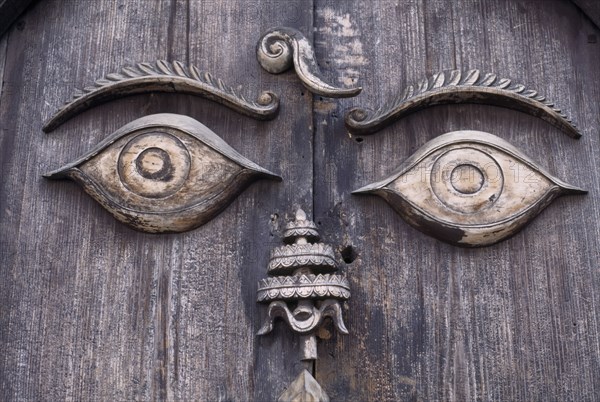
303 291
469 188
163 173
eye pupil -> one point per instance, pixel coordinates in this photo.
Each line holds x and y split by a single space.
154 164
466 179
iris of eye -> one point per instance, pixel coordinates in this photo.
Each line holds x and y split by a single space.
154 164
466 179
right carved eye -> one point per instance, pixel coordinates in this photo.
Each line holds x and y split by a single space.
163 173
469 188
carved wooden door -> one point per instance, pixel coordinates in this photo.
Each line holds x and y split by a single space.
94 310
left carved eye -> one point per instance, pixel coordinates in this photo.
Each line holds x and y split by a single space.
469 188
163 173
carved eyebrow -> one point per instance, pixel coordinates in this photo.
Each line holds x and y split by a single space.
162 76
453 87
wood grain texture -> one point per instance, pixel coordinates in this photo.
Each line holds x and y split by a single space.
10 11
92 310
3 43
516 321
591 8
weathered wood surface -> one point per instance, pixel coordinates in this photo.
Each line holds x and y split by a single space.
591 8
92 310
10 11
517 321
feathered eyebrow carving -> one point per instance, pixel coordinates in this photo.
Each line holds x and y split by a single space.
162 76
452 87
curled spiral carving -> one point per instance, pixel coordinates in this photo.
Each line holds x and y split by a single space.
281 48
275 53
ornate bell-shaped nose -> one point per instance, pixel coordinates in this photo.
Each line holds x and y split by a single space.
303 290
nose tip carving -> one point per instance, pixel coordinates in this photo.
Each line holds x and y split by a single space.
281 48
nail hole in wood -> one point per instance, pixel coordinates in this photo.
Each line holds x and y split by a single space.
349 254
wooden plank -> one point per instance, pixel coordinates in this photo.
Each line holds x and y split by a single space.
92 310
10 11
429 321
591 8
3 44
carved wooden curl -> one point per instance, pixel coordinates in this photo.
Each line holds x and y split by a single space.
281 48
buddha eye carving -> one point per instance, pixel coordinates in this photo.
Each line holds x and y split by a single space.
469 188
163 173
